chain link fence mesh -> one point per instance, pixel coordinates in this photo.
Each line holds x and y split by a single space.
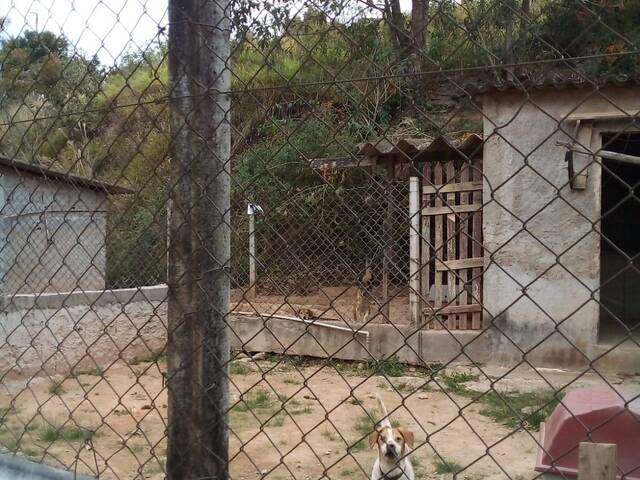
479 307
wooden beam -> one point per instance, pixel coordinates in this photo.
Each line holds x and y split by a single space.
617 114
477 262
474 307
342 162
453 187
597 461
476 207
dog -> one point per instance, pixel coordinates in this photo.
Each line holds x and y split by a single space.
393 444
362 305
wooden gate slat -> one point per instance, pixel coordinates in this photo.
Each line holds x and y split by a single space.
437 300
450 199
462 254
426 245
476 283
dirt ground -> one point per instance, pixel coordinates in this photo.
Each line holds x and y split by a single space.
298 419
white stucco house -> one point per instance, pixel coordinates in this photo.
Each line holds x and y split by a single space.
561 231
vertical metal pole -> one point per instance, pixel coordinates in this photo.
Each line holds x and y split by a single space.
386 236
414 251
252 256
199 240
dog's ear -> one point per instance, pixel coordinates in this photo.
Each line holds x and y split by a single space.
373 438
408 436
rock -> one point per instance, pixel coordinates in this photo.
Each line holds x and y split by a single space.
146 407
264 472
528 410
310 397
423 397
259 356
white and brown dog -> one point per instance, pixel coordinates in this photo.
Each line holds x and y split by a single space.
393 444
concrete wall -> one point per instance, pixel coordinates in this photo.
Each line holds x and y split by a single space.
58 251
56 333
543 254
59 332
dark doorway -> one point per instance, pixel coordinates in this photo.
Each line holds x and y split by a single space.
620 242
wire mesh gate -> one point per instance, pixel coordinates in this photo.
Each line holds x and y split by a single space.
132 344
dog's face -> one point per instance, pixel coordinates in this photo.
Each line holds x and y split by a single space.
392 442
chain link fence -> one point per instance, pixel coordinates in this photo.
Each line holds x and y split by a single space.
234 233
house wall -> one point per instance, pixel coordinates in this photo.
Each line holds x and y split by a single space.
541 240
58 251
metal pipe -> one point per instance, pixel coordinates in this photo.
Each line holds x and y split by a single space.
414 250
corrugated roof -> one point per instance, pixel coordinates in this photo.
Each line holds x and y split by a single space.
423 149
75 180
543 81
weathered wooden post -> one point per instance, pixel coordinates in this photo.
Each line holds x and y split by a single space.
597 461
414 251
199 240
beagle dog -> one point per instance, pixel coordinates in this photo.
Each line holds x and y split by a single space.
393 445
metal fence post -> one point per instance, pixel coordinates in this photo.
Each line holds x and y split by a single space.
199 242
414 250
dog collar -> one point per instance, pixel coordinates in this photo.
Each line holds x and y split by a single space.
386 476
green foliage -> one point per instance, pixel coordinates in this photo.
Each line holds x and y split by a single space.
254 400
56 387
316 216
512 409
509 408
52 433
239 368
454 382
443 466
389 367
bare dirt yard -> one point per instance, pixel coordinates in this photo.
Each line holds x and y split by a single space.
291 418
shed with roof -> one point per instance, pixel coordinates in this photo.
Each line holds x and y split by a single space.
53 229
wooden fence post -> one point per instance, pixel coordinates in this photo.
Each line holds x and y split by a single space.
199 240
597 461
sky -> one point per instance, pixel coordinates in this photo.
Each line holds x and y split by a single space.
106 28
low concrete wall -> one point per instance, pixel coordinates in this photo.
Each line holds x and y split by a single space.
55 333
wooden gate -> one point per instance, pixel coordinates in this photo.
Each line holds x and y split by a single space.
451 254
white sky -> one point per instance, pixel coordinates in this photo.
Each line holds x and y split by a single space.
107 28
